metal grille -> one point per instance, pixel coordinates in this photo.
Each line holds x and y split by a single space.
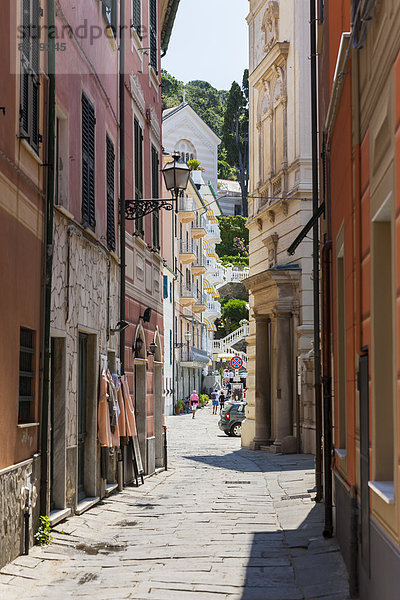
26 376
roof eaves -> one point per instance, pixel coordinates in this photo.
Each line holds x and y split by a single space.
168 24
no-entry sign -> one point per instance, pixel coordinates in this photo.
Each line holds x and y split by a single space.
236 362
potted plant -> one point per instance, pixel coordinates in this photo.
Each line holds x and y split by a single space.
196 171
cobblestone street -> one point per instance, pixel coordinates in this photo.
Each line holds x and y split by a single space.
222 523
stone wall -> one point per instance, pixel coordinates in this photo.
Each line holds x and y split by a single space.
85 299
12 482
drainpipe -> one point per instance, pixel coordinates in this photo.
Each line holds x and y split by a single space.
44 431
327 384
317 365
122 177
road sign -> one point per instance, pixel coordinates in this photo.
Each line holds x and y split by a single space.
236 362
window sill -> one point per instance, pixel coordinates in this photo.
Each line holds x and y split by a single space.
136 44
27 425
32 152
154 78
140 240
383 489
341 453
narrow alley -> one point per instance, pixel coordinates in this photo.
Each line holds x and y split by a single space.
221 523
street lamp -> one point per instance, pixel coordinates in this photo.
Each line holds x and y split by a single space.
176 177
188 337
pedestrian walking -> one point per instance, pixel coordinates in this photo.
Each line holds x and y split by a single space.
194 400
215 403
226 376
221 401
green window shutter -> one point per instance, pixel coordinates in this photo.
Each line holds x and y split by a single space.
137 16
155 194
165 286
153 35
138 142
88 163
30 72
110 195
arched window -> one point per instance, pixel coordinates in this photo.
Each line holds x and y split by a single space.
186 150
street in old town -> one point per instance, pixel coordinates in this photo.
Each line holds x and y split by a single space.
221 523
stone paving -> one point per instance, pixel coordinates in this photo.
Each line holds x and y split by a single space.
221 524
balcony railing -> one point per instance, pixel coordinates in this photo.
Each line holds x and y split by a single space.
187 205
193 355
213 230
187 247
187 292
214 307
199 222
200 261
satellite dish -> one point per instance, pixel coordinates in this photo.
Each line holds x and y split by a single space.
147 315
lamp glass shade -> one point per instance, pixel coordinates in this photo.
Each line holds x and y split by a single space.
176 176
138 344
153 348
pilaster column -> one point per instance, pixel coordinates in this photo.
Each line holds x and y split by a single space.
263 375
284 380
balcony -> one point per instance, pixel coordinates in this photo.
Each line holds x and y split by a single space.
193 357
199 267
213 233
187 210
201 302
187 252
198 227
187 296
214 309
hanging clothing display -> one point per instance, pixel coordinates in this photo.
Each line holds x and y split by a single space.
103 414
131 430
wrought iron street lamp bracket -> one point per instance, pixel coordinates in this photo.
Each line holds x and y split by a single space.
137 209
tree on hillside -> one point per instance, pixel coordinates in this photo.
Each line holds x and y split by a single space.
235 134
233 312
171 90
234 237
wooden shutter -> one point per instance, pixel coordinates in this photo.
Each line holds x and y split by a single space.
155 194
110 195
137 16
88 163
153 35
30 72
165 286
138 134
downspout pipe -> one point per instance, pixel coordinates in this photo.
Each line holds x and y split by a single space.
44 431
326 260
317 359
122 179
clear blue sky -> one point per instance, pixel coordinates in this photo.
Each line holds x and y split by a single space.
209 41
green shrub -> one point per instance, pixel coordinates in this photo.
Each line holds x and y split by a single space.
42 536
235 260
203 399
180 404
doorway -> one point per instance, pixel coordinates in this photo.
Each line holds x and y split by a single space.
57 424
82 411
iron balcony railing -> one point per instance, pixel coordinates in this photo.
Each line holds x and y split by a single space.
187 205
200 298
200 261
199 222
187 247
193 354
187 292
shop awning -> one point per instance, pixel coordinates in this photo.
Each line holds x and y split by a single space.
210 289
210 326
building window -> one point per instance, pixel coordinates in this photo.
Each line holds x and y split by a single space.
110 195
155 173
138 141
170 291
165 287
341 346
26 376
383 376
153 35
88 164
30 73
170 347
110 14
137 17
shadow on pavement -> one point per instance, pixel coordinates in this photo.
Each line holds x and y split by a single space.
248 461
296 564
